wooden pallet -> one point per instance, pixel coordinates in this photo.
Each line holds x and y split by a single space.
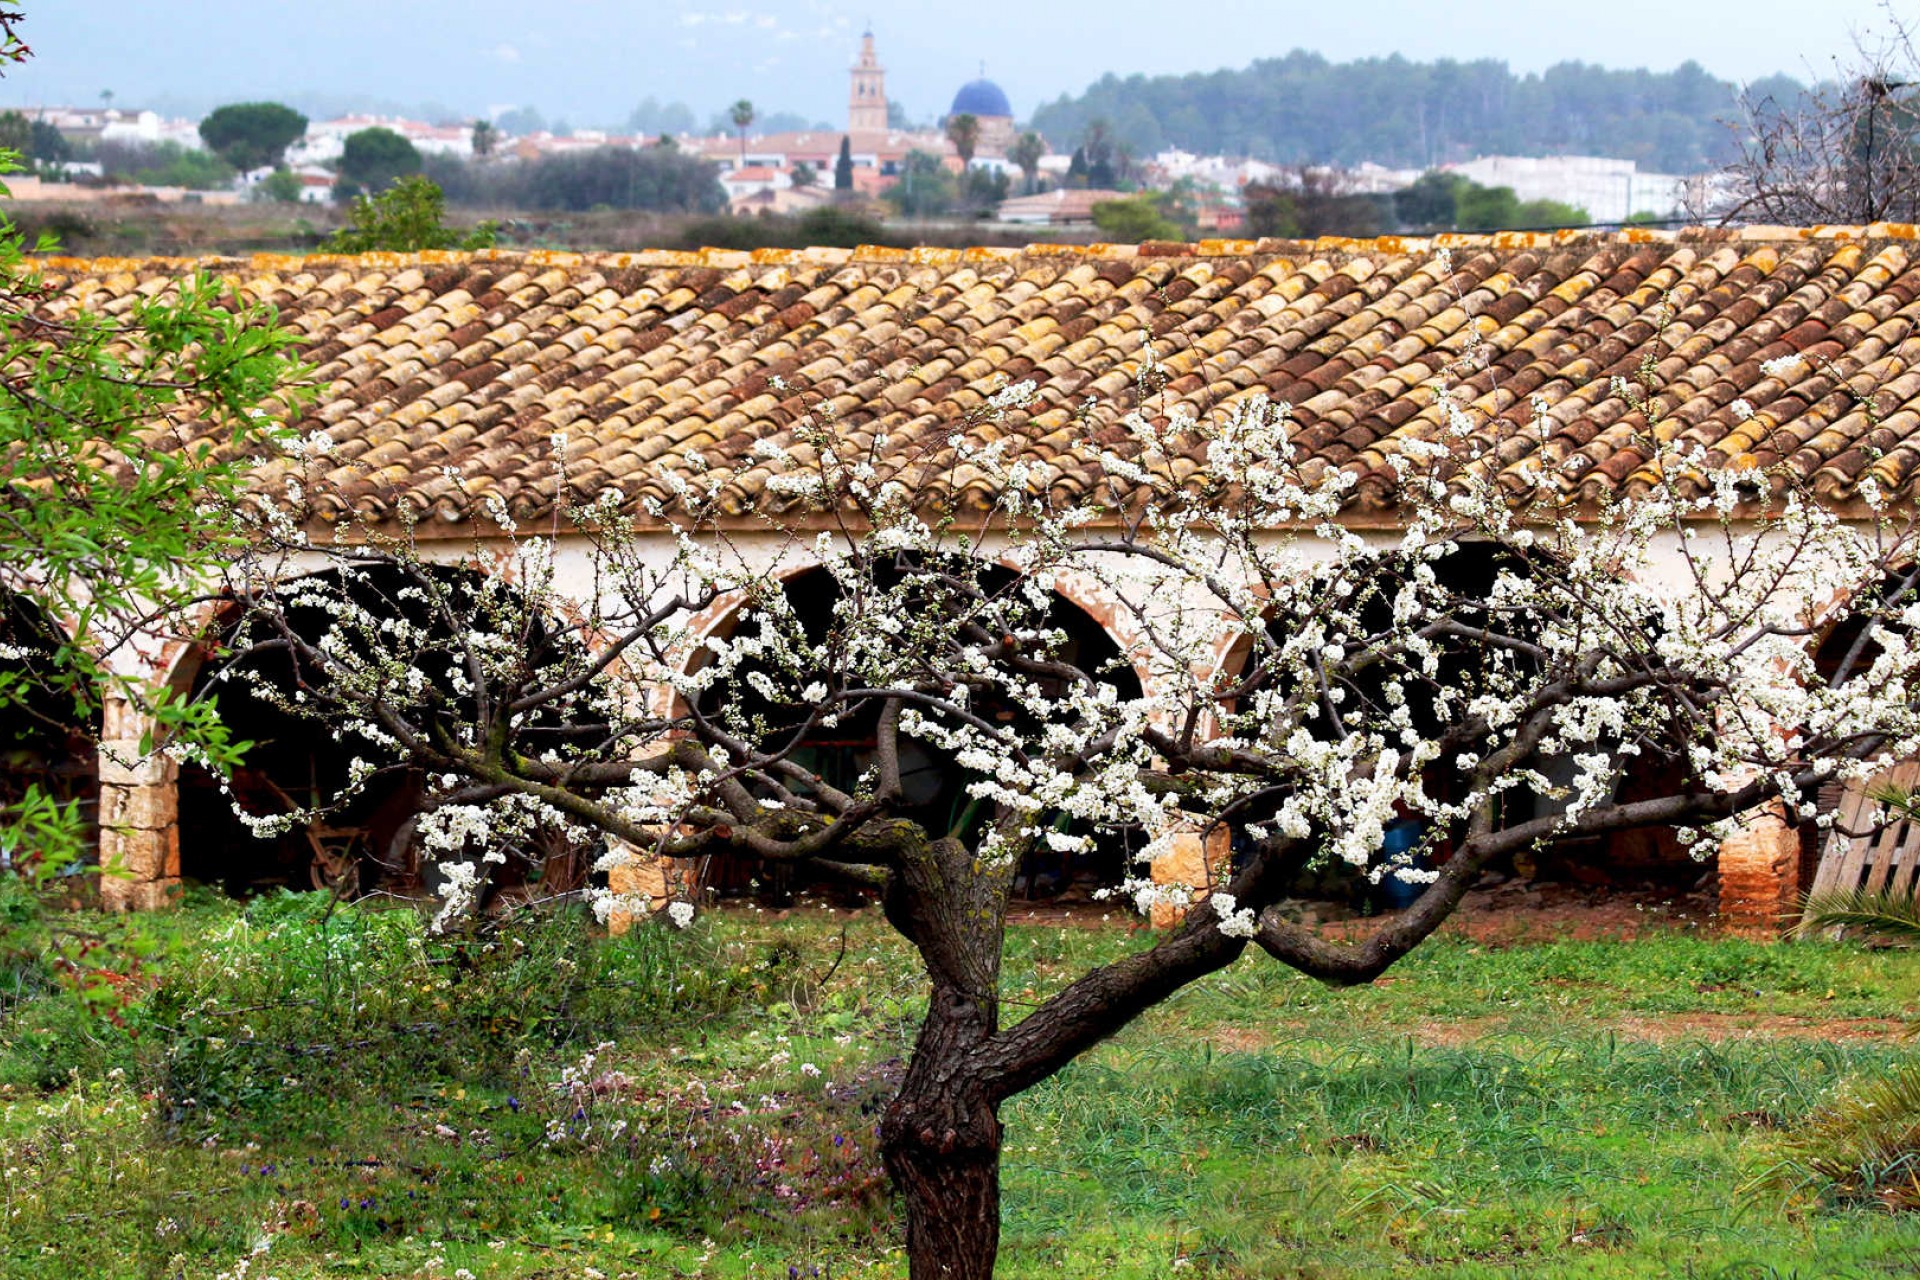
1871 850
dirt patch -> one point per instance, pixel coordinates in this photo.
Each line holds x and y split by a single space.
1241 1039
1517 911
1661 1028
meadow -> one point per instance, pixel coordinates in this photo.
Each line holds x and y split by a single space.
291 1089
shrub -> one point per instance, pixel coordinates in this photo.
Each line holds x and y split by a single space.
298 989
1862 1147
404 219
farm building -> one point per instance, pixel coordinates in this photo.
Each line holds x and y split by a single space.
660 362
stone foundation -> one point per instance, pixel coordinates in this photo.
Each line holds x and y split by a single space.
1759 866
139 817
640 878
1191 860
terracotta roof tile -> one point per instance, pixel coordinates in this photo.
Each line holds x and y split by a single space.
474 360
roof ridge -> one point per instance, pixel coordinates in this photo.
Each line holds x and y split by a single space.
926 255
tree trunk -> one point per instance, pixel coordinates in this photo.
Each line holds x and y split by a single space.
941 1136
941 1141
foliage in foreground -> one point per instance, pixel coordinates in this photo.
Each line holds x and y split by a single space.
110 515
363 1098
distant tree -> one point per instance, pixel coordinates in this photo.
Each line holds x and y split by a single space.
741 113
1478 208
843 167
1428 204
407 217
804 176
374 159
832 226
485 138
1302 108
1077 168
897 116
1271 211
1316 201
786 122
982 190
1101 152
162 164
1550 215
252 135
653 116
1134 220
48 145
963 131
282 186
1026 151
838 228
925 189
660 178
520 121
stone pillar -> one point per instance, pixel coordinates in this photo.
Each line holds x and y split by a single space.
1760 874
636 878
1190 859
139 817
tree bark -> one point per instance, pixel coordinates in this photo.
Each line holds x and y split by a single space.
941 1135
941 1141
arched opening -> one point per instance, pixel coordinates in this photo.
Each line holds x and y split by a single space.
935 787
49 723
1466 577
1871 846
297 764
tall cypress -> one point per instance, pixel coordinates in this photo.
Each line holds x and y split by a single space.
843 167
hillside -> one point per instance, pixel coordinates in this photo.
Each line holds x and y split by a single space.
1303 108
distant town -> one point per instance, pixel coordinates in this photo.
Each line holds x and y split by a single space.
979 166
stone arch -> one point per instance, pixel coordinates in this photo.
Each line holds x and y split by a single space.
719 619
296 763
1087 624
1770 865
1654 855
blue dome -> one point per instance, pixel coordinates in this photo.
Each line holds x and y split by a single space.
980 98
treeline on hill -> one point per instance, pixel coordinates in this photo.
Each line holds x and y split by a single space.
1303 109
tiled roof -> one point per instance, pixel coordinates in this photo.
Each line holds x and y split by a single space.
474 360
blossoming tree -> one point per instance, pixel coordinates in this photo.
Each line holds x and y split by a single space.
1485 670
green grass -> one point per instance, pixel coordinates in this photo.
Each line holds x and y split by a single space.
371 1102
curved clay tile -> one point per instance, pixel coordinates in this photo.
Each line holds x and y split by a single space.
646 358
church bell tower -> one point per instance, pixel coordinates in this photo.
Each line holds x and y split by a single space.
867 107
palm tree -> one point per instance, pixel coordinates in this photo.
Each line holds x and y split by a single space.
1890 915
484 136
963 131
1026 152
1894 916
742 112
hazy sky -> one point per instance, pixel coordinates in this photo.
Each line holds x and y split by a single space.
592 61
